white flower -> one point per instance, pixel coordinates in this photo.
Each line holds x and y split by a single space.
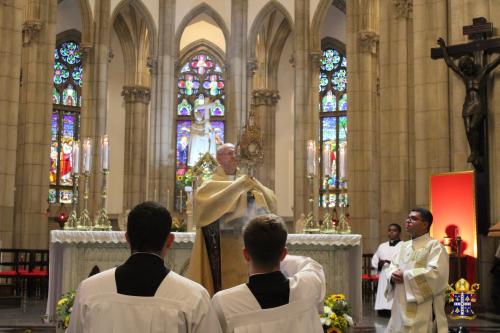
349 319
327 310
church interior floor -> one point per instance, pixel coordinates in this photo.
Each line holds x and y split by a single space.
28 319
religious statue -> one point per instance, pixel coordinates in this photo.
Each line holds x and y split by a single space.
474 111
202 139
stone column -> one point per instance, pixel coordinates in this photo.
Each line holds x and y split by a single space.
11 20
162 155
94 114
396 113
363 165
303 115
237 79
264 101
33 135
136 130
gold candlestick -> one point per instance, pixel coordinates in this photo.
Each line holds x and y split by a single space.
85 222
102 221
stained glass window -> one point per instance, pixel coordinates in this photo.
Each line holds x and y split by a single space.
66 99
200 81
333 128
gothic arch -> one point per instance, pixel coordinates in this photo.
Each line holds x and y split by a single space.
202 45
67 35
319 19
128 49
139 6
330 42
271 6
87 21
202 8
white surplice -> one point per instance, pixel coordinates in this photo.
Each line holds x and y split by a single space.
239 311
425 266
178 306
384 252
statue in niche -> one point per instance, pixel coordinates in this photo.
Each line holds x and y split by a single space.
202 138
474 109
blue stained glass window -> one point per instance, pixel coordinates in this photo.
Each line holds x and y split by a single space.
343 103
329 127
329 102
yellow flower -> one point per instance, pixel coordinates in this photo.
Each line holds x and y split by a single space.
62 301
66 321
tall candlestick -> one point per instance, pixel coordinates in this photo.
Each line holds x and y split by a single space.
311 157
76 157
105 152
87 155
327 160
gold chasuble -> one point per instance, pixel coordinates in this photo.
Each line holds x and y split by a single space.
221 205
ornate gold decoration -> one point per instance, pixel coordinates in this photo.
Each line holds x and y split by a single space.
205 167
249 150
462 298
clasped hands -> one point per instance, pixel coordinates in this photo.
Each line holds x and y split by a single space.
397 276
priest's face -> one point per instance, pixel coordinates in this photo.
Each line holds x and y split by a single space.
415 226
227 159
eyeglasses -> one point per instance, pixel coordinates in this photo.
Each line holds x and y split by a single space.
413 219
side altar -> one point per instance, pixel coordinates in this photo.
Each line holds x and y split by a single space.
73 254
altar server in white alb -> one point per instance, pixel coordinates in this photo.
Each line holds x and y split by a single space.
417 280
380 262
284 293
142 295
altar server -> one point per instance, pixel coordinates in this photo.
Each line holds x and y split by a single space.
417 279
380 262
142 295
284 293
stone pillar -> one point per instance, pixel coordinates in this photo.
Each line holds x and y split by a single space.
396 114
264 101
162 155
236 58
11 19
303 115
363 165
136 130
33 135
94 114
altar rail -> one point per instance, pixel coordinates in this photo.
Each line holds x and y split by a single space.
73 254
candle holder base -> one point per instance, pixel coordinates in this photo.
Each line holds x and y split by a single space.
72 222
102 222
310 226
85 222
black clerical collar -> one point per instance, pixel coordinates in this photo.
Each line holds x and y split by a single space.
147 253
394 242
270 289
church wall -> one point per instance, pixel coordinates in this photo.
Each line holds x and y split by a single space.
68 16
151 5
334 25
11 19
222 7
203 29
116 127
284 130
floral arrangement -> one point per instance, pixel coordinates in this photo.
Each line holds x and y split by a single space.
64 308
336 316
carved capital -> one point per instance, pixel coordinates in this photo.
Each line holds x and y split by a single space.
291 60
403 8
251 67
266 97
111 55
136 94
31 28
85 50
368 41
315 58
152 65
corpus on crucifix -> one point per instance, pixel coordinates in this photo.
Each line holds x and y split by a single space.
473 69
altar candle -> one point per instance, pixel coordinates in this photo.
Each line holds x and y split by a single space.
311 157
105 152
327 161
76 157
168 200
87 154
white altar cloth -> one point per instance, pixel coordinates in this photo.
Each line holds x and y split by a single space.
73 254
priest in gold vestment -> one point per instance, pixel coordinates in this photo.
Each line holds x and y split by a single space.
224 203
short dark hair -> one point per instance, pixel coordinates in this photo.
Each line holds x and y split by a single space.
425 214
397 226
148 226
265 238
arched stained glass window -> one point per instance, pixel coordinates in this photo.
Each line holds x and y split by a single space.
333 128
200 124
66 99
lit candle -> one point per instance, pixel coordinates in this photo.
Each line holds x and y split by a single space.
105 152
327 160
87 154
311 157
76 157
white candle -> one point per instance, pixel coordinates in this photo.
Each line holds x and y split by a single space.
87 154
76 157
311 157
105 152
342 161
327 160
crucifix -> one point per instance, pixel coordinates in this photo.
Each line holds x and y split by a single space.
474 69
